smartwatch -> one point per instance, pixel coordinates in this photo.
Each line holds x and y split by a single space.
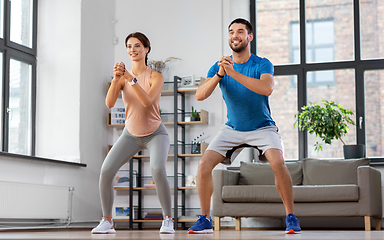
133 82
217 73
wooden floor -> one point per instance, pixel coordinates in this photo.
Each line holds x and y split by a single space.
182 234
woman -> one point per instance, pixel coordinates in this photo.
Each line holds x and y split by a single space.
141 89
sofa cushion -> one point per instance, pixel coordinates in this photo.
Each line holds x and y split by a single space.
330 172
262 174
302 193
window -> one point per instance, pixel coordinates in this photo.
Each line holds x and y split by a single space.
283 106
342 92
320 41
320 48
374 101
18 68
21 22
372 29
19 115
340 59
273 33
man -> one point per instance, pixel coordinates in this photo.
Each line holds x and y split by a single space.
246 81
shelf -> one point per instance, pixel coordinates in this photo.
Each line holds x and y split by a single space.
121 188
167 93
187 188
203 120
187 219
203 147
184 90
142 220
136 220
181 219
144 188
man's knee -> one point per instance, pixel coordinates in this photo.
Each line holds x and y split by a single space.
204 165
209 160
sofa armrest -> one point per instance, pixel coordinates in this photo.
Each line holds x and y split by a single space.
221 178
369 182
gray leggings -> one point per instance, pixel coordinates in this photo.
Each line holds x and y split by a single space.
122 151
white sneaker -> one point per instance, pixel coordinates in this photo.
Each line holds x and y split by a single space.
167 226
104 226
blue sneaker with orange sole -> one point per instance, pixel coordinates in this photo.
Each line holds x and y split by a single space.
202 225
293 225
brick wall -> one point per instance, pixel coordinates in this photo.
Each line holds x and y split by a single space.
274 18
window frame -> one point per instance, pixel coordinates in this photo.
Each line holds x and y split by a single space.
301 69
24 54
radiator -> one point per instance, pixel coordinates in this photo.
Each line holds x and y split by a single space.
34 201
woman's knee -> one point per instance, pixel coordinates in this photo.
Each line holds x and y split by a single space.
158 171
106 174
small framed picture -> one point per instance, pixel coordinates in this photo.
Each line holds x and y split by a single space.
121 211
187 81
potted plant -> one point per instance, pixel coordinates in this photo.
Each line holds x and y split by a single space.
160 66
328 121
195 115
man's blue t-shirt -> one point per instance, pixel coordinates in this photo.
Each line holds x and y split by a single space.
246 110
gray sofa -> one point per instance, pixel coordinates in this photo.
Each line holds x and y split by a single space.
321 188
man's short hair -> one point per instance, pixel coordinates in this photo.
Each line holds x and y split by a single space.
247 24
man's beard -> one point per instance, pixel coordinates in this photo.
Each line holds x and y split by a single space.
239 48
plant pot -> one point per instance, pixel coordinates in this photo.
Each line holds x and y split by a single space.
195 119
354 151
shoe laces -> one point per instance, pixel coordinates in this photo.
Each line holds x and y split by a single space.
103 220
292 220
167 221
202 217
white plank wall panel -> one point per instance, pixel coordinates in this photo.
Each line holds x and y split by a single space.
33 201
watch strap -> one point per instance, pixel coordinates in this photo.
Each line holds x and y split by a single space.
217 73
133 82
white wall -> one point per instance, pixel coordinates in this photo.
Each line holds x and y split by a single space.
58 80
75 55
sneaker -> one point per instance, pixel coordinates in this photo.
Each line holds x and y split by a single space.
202 225
104 226
293 225
167 226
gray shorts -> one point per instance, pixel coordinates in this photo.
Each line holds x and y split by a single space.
230 142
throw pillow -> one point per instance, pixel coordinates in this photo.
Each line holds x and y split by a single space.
331 172
262 174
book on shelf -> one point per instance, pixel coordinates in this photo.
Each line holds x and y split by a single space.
155 213
157 216
150 185
153 218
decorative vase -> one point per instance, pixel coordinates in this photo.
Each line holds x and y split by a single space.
354 151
